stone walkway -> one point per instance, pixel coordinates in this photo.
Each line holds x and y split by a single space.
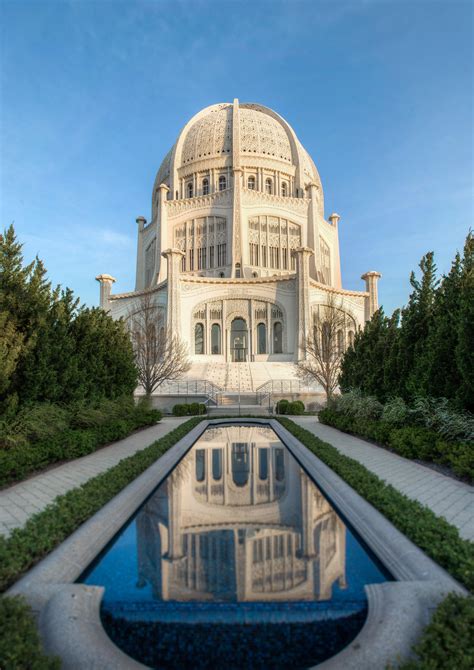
22 500
447 497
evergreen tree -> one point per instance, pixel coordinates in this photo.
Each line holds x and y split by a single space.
362 366
439 374
391 358
11 346
50 350
464 355
105 362
417 319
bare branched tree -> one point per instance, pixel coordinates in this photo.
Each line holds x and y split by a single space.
159 355
325 347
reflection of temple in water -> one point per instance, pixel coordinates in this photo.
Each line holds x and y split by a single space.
238 519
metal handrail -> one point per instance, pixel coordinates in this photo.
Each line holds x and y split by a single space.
190 387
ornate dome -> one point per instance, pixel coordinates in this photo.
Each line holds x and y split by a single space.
262 134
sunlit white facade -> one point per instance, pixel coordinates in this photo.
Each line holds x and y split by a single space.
238 250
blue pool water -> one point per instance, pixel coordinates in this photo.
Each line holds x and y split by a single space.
237 560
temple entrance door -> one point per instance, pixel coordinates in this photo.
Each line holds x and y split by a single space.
239 340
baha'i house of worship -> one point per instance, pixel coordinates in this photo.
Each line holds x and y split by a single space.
238 251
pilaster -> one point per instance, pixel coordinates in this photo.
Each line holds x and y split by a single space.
303 326
371 302
173 311
162 233
313 232
336 257
140 278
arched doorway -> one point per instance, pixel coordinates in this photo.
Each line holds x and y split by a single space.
239 340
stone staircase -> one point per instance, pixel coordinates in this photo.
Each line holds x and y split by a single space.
246 377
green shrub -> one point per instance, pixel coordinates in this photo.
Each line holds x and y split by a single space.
282 406
414 442
356 405
20 645
433 534
194 409
181 409
395 412
202 408
296 407
448 640
45 530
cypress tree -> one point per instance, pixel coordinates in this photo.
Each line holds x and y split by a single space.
464 355
439 374
416 322
391 358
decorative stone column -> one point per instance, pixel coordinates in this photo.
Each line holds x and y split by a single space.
371 302
106 282
162 241
173 312
313 232
303 326
140 279
336 259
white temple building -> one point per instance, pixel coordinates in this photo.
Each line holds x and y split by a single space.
238 251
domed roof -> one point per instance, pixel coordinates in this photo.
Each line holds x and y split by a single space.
262 133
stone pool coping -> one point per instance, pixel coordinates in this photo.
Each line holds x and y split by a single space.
69 613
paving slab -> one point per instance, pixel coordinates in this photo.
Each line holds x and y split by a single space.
21 501
445 496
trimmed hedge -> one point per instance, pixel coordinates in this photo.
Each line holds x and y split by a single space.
18 462
295 407
189 409
409 441
448 640
433 534
45 530
20 645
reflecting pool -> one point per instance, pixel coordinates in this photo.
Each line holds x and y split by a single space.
237 560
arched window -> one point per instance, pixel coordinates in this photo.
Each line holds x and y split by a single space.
240 463
205 186
199 338
279 465
263 464
215 339
237 270
200 465
222 183
251 183
190 190
254 274
340 341
262 338
277 338
284 189
326 341
268 186
350 337
216 464
221 275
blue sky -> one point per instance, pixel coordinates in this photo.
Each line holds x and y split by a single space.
93 94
